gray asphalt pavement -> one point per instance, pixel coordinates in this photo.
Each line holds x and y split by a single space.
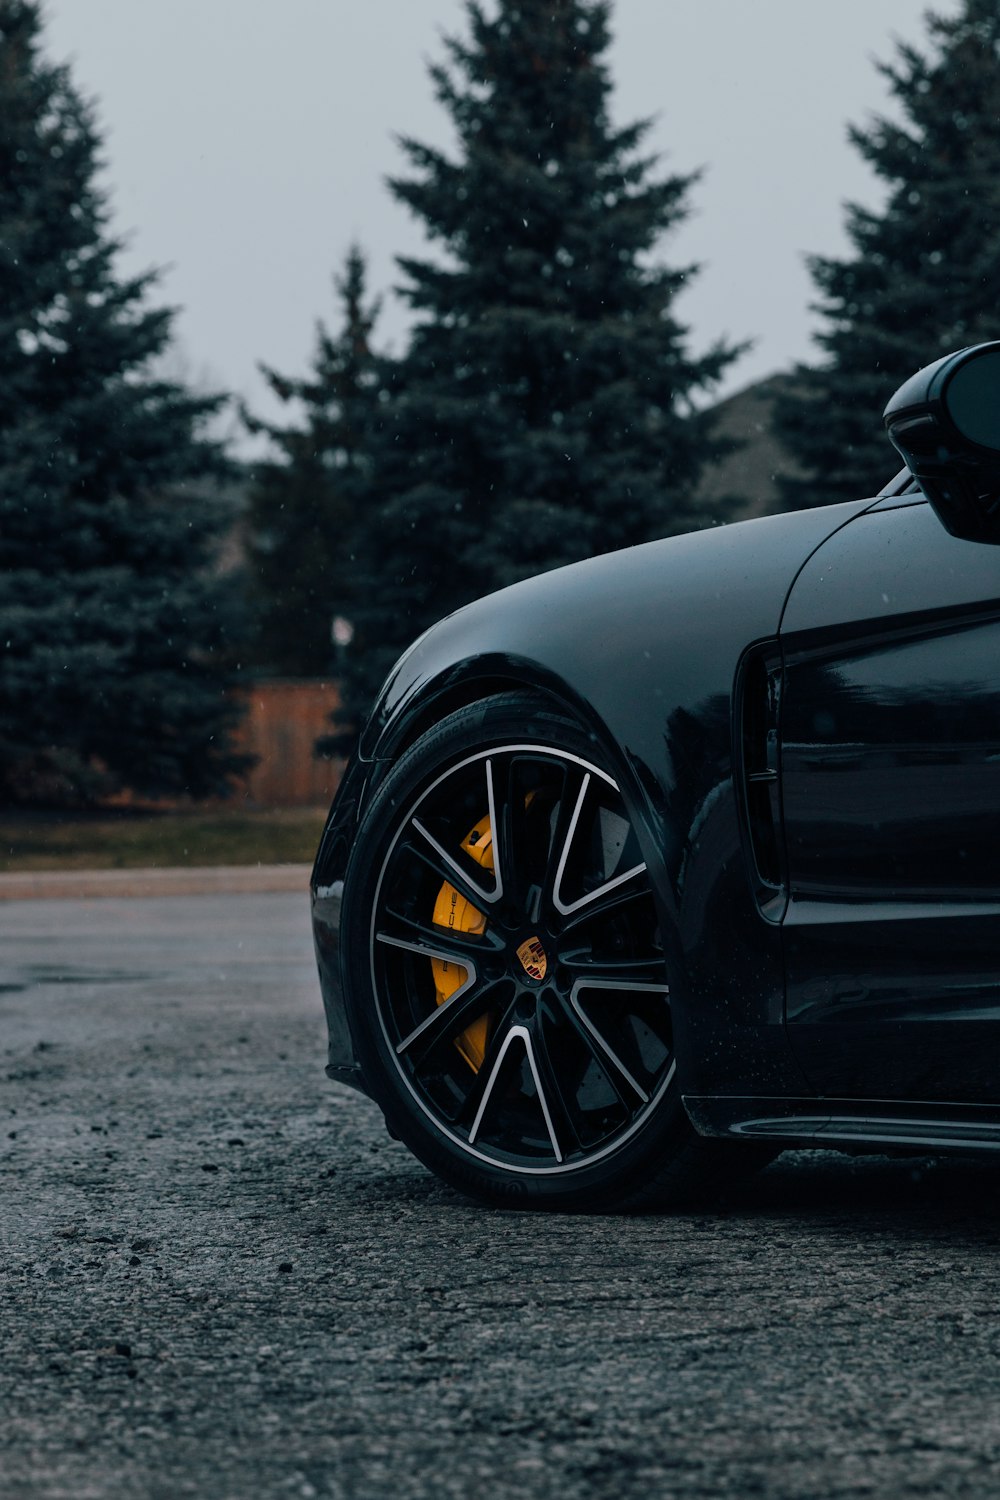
219 1277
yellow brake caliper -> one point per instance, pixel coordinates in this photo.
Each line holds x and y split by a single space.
453 911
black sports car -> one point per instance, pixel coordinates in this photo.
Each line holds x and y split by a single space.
673 858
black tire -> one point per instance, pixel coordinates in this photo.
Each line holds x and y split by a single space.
523 1051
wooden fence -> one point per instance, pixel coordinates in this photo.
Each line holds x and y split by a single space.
283 720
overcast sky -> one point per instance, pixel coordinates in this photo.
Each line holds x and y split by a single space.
247 144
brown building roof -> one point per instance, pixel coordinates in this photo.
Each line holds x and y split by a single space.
753 456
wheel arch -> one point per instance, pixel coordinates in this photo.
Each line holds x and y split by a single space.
478 679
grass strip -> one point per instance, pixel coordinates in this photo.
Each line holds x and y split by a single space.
174 839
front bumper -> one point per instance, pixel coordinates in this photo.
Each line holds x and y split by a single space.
342 1064
327 894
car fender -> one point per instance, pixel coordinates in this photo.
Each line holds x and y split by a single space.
643 647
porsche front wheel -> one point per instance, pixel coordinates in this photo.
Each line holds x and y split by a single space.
506 979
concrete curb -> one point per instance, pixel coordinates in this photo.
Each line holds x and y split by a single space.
47 885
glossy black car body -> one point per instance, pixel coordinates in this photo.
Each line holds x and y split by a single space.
802 714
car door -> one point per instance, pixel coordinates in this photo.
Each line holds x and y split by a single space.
890 790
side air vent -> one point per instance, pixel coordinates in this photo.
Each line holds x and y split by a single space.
759 704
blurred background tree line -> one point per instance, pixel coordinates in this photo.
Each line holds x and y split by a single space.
547 406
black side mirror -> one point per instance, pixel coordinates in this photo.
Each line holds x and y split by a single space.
945 421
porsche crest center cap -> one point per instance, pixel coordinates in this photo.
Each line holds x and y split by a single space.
533 960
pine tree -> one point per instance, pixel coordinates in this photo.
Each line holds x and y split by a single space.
306 502
542 411
110 618
924 274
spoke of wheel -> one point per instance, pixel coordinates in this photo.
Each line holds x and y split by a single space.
627 973
625 1088
562 1109
609 1053
515 1034
484 1079
510 835
592 896
565 843
446 1023
567 909
611 901
465 947
574 790
447 867
454 1015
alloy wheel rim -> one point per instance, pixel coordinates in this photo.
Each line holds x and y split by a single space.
534 1029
